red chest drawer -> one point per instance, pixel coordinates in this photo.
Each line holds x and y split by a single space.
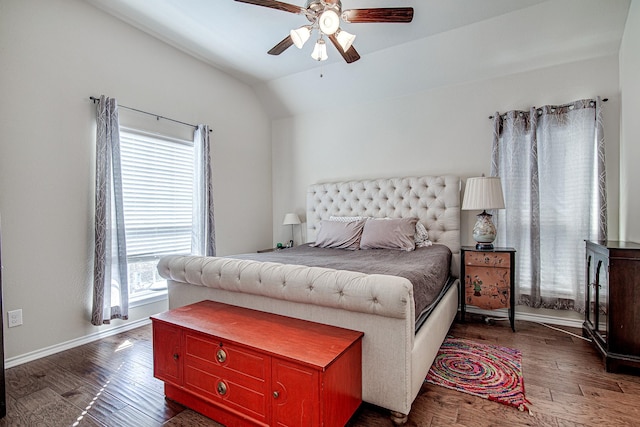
227 374
201 350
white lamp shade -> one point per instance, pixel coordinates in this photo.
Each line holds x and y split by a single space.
320 51
329 22
483 193
291 219
345 40
300 36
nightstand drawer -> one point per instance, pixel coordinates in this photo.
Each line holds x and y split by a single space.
488 259
487 287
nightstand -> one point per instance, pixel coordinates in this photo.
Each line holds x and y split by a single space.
488 279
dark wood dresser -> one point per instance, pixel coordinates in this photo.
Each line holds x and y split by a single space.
612 294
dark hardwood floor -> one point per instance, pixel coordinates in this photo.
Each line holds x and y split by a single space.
110 383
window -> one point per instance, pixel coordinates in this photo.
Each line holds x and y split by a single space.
551 161
157 185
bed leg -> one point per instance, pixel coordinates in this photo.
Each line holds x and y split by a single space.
399 418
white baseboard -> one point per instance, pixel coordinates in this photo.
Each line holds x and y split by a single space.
47 351
550 317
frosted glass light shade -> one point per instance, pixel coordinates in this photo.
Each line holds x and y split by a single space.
300 36
345 40
329 22
483 193
291 219
320 51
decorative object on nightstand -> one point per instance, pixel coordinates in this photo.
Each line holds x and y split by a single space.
483 193
291 219
489 279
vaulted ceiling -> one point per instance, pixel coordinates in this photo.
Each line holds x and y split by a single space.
448 42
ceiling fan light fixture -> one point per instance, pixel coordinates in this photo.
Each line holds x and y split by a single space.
300 35
329 22
345 40
320 51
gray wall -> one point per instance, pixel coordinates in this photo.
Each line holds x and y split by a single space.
54 54
439 131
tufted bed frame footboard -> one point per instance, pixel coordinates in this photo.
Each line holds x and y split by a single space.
395 358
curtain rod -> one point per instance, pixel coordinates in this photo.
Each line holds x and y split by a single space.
603 100
157 116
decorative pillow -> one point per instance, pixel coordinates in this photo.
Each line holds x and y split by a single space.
392 233
339 234
347 218
421 237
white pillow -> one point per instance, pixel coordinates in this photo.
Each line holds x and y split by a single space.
421 237
347 218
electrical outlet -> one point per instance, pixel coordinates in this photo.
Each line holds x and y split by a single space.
15 317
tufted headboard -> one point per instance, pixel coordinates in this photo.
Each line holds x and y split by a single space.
434 200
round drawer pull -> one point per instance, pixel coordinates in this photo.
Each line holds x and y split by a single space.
221 355
276 394
222 388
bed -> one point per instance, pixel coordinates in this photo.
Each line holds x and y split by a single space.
401 334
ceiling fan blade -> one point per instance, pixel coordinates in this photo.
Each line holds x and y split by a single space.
384 14
285 44
273 4
350 55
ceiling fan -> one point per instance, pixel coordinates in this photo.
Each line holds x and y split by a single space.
325 16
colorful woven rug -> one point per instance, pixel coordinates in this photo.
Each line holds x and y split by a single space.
486 371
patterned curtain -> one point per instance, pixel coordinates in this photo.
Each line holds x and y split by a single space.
110 279
203 235
551 163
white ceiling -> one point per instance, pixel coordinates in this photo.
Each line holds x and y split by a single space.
448 42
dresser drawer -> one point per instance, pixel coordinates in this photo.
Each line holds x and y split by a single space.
228 374
253 400
488 259
211 353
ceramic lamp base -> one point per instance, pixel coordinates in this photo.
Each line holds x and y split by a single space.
484 232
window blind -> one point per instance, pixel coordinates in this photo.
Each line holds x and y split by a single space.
157 180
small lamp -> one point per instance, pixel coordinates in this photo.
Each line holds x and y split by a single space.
300 36
291 219
345 40
483 193
320 51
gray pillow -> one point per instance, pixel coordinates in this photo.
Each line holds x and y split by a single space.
339 234
393 233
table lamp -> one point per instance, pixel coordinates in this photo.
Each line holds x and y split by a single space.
483 193
291 219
